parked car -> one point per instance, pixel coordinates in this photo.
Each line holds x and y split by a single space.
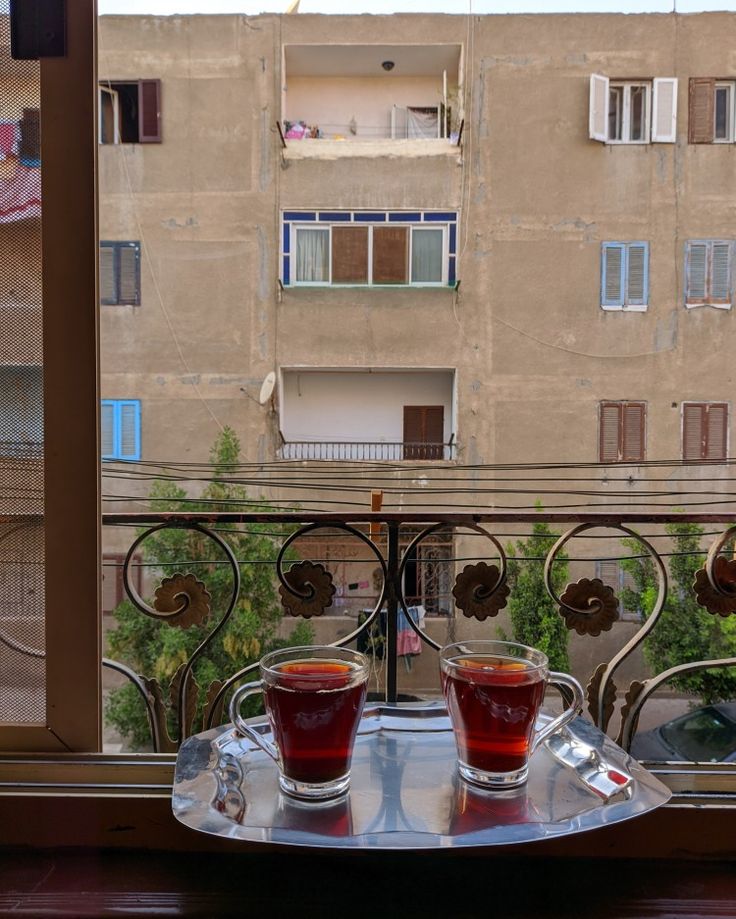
704 735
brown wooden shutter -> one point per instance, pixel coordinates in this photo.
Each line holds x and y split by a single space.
128 275
29 146
701 100
693 417
424 428
149 111
716 431
610 426
633 432
108 294
390 255
350 255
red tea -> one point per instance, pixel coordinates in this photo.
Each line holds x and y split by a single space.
493 702
314 709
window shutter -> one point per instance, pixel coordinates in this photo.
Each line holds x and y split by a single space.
149 111
701 98
129 430
720 276
107 424
609 573
610 425
108 293
664 110
598 108
423 431
129 274
633 432
692 431
390 255
612 275
696 264
716 432
350 255
637 274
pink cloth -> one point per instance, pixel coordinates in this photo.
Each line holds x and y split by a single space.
20 197
8 137
408 642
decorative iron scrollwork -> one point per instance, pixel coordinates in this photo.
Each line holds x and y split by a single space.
717 595
480 591
307 590
601 707
589 606
182 600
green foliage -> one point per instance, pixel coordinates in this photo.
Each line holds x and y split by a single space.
534 617
155 649
685 632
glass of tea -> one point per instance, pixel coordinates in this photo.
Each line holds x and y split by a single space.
493 691
314 699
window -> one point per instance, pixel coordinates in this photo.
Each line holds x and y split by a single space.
424 428
704 431
120 273
113 590
708 273
632 111
622 432
369 248
121 429
611 572
624 276
130 112
711 109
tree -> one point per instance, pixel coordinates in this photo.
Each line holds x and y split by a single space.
534 617
685 632
155 649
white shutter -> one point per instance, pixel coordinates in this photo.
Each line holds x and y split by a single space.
697 260
598 108
720 276
664 110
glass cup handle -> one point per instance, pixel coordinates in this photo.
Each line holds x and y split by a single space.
239 696
574 709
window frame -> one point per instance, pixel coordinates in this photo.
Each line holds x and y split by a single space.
141 83
730 86
293 223
624 303
705 408
117 406
117 246
708 300
627 86
622 405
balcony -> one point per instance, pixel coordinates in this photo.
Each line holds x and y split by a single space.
371 100
354 451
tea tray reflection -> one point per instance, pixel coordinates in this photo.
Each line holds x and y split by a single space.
405 791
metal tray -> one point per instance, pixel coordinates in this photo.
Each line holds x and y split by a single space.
405 791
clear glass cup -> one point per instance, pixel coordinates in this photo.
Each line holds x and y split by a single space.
314 698
493 691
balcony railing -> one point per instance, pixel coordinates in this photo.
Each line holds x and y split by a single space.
367 450
306 551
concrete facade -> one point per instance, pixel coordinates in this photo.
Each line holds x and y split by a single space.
530 350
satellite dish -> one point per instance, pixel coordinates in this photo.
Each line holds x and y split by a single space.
267 388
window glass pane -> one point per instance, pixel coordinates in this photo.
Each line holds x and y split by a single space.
615 112
722 100
426 256
637 108
312 255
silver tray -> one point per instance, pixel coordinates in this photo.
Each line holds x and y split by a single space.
405 791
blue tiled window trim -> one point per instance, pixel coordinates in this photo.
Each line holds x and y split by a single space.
413 218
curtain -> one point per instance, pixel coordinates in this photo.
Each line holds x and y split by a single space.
426 256
422 123
312 255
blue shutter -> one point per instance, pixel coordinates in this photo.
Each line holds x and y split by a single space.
107 420
130 430
696 271
637 274
613 265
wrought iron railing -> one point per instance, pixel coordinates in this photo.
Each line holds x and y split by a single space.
307 589
364 450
